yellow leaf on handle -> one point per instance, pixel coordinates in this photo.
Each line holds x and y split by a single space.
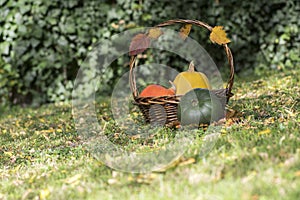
154 33
185 31
218 35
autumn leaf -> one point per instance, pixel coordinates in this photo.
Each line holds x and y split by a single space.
185 30
74 180
230 113
44 193
187 162
218 35
154 33
139 44
179 162
267 131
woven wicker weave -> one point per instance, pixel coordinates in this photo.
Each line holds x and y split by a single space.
162 110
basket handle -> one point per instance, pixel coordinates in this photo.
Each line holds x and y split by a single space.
193 22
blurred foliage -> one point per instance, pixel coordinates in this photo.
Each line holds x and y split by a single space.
43 43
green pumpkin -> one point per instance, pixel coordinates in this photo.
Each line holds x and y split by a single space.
199 106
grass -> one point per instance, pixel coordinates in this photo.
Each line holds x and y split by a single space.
257 155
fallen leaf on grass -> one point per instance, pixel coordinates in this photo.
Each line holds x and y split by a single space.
146 178
59 130
290 113
218 35
32 179
267 131
8 153
74 180
233 116
44 193
178 162
187 162
270 120
230 113
230 122
223 131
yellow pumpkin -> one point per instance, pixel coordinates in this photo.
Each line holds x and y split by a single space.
188 80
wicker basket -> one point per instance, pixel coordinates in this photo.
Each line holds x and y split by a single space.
162 110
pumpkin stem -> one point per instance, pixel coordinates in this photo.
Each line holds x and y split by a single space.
191 67
173 87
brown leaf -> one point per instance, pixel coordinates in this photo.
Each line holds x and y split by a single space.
139 44
218 35
154 33
185 30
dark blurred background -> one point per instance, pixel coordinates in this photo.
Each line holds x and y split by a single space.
43 42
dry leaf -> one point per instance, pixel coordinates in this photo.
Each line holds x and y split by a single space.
139 44
267 131
230 113
154 33
187 162
218 35
74 179
44 194
179 162
146 178
185 30
233 116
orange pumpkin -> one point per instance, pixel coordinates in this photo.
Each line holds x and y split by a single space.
156 90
